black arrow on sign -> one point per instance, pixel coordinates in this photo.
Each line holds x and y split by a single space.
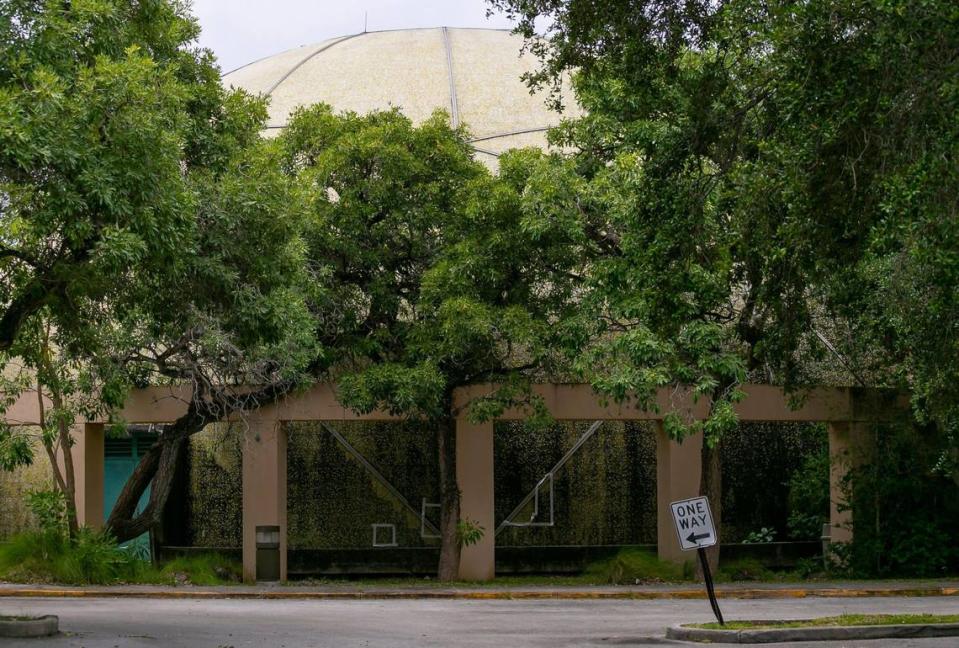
692 537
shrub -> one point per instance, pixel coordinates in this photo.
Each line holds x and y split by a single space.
197 569
809 496
902 508
760 536
744 569
92 558
49 508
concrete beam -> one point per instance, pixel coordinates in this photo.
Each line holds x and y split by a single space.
564 401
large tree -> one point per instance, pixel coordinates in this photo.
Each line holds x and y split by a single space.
780 182
438 274
148 235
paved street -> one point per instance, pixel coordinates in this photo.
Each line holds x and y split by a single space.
109 623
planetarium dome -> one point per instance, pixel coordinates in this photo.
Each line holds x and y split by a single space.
473 74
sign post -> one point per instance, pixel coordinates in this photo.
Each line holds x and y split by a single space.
694 524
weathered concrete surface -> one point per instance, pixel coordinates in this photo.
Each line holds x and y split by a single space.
43 626
354 591
101 623
822 633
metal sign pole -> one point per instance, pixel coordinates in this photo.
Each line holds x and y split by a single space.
708 577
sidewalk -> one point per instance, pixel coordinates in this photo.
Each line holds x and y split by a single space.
492 592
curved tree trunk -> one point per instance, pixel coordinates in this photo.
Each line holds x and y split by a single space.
163 463
449 564
121 517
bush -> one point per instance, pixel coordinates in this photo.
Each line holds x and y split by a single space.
49 507
92 558
809 497
903 510
744 569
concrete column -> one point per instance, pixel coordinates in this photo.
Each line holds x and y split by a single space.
678 471
87 454
264 488
848 443
474 474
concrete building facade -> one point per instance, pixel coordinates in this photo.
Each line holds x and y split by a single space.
846 412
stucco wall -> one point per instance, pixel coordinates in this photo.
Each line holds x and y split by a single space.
14 487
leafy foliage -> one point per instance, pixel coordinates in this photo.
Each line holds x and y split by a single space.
635 566
904 510
149 234
432 275
49 509
469 532
776 184
809 497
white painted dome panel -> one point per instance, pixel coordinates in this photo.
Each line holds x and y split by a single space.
417 71
259 77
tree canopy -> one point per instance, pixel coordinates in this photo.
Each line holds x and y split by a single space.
434 273
785 170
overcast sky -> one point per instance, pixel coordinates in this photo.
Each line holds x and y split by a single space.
240 31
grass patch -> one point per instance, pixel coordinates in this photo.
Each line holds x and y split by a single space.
93 558
197 569
637 566
745 569
429 582
842 620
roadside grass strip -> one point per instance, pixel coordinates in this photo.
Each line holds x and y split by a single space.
847 627
841 620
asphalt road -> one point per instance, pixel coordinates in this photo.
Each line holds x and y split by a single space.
153 623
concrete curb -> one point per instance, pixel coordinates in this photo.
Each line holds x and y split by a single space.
448 594
821 633
23 628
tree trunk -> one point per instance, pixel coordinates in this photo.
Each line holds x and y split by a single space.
65 484
122 514
70 482
449 564
162 463
711 485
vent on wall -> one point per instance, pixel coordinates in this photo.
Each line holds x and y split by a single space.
129 446
122 447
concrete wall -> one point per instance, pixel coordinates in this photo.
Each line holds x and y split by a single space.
264 454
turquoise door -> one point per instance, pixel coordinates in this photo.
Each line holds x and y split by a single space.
120 458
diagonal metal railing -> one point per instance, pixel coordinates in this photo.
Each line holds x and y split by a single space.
533 495
378 476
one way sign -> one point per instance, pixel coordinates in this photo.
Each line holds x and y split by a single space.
694 523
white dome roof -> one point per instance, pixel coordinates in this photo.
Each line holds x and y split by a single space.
474 74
